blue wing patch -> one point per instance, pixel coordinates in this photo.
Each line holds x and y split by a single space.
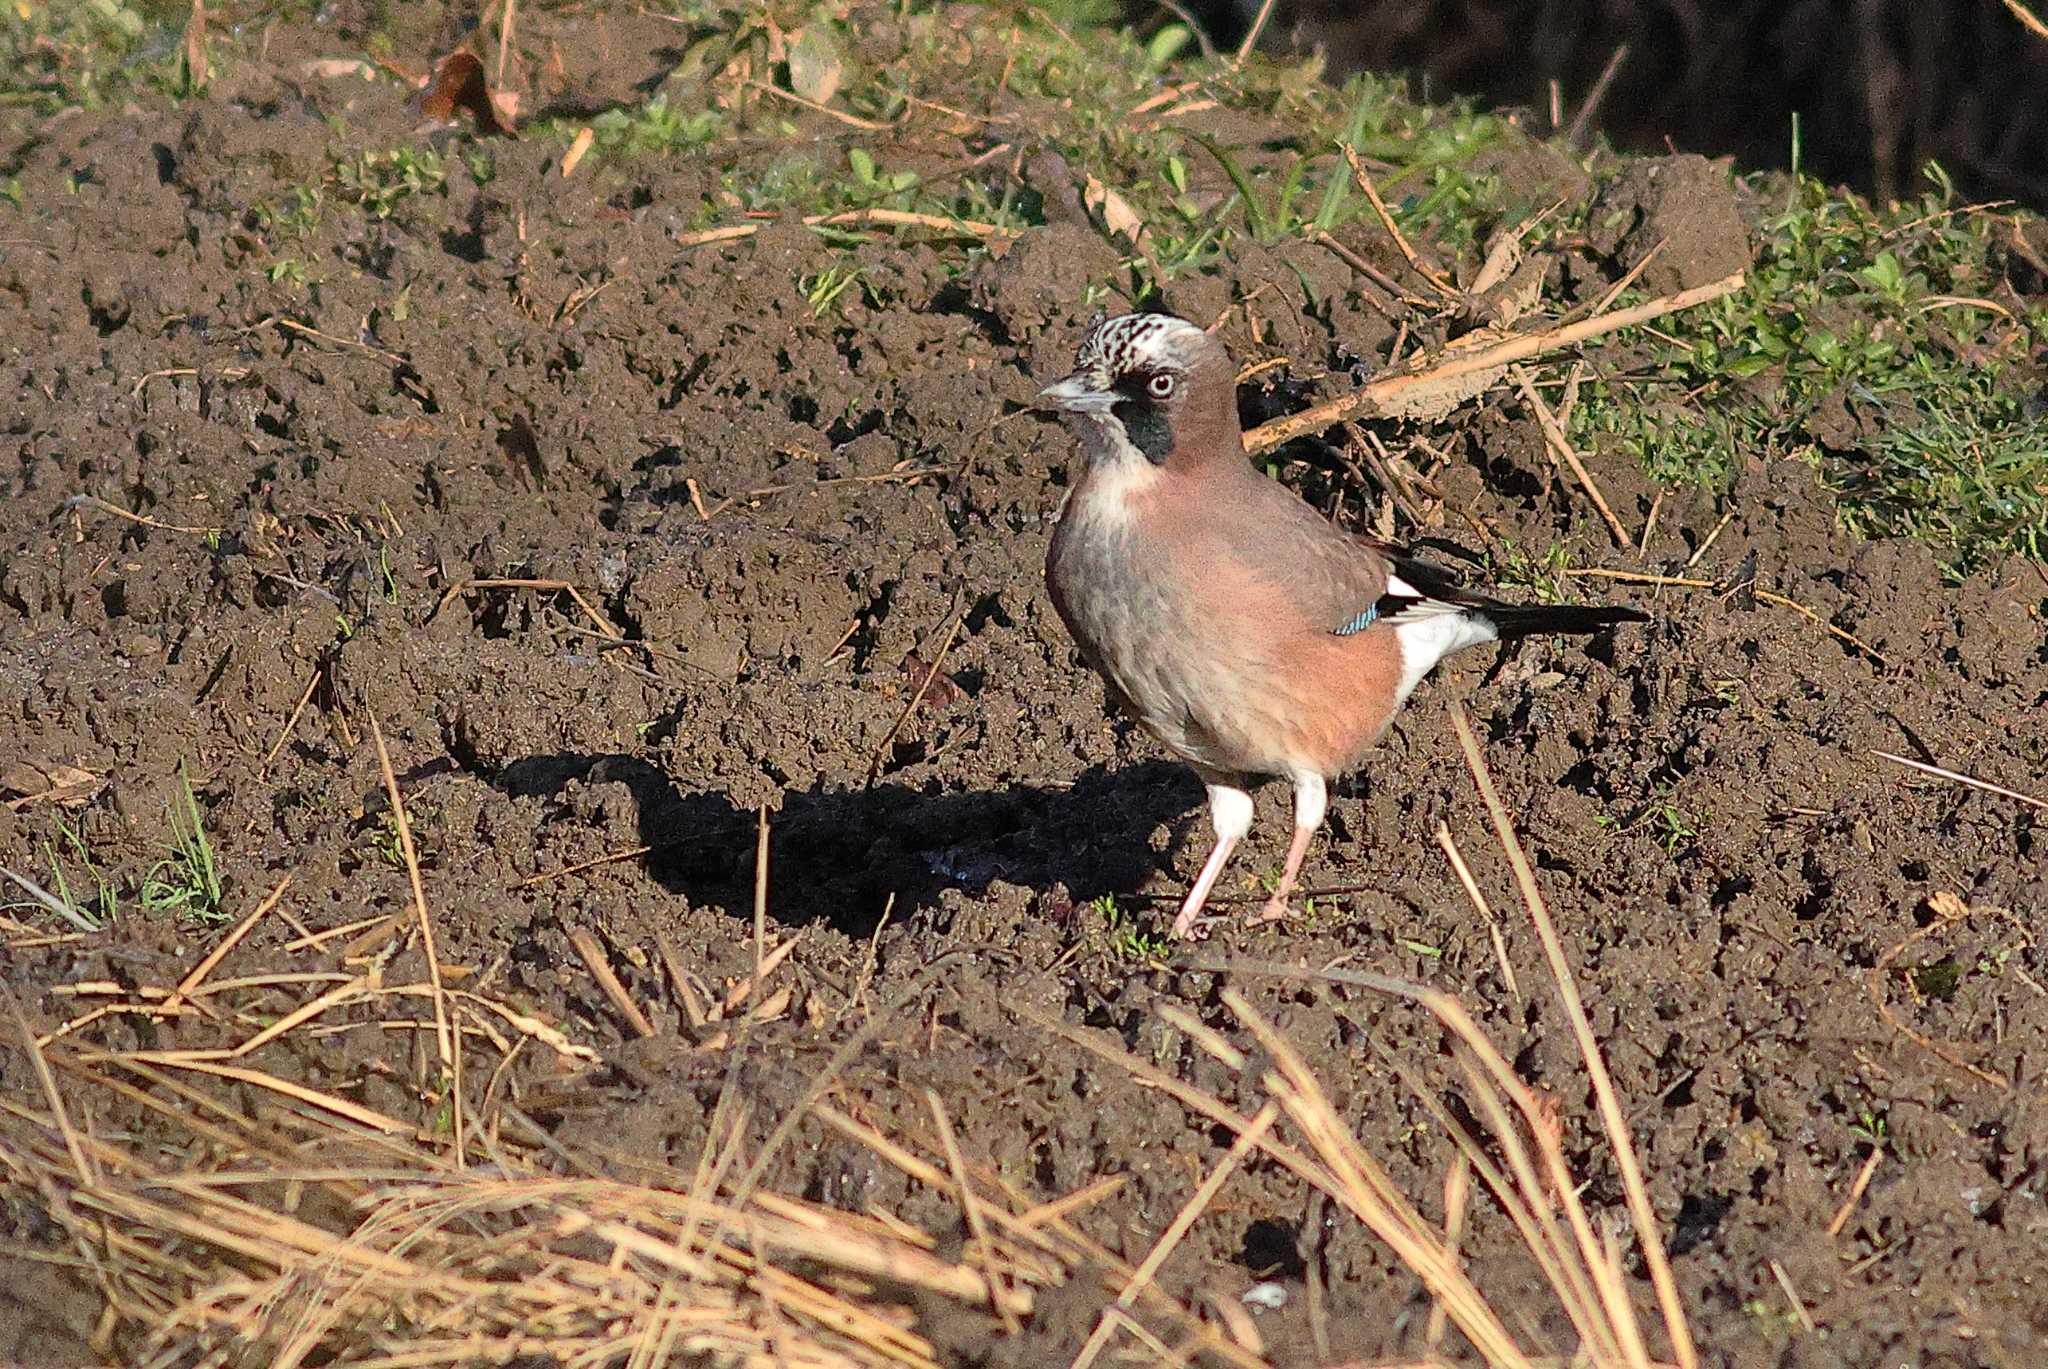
1360 623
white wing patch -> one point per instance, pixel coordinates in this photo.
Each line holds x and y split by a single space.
1430 631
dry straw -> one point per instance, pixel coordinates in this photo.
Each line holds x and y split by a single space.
230 1215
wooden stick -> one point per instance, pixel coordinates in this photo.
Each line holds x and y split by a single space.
593 957
1612 1119
227 943
1561 449
1495 356
293 721
1379 207
444 1040
1855 1192
887 218
1148 1270
931 673
1958 777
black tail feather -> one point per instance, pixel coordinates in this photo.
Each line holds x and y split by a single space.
1445 585
1523 620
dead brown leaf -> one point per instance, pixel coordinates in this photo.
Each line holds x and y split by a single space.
816 67
32 782
1116 213
942 692
458 84
196 68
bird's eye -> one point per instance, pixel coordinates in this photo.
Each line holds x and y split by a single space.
1161 385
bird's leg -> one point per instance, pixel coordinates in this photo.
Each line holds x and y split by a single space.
1311 800
1230 811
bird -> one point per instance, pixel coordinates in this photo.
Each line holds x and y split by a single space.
1250 635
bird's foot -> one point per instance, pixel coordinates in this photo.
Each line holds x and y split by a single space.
1191 926
1275 910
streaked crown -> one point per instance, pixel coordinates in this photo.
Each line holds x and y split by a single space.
1141 342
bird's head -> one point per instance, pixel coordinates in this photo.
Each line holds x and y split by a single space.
1150 387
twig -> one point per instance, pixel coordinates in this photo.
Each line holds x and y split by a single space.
284 735
1699 554
887 218
1491 357
1636 577
292 325
550 586
1792 1296
931 673
1650 525
1616 1125
1203 42
970 1207
505 24
608 858
1856 1189
74 916
579 148
593 957
2028 20
1407 250
87 1175
444 1041
95 502
1596 94
205 967
851 120
1401 298
1561 449
1464 873
761 896
1251 35
1613 292
1148 1269
1457 1197
1958 777
142 381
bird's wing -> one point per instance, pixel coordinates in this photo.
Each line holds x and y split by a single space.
1338 582
1415 588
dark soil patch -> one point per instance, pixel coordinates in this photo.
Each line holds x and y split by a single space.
1728 860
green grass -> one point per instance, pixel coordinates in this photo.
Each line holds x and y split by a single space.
1124 937
1668 824
106 897
1878 318
187 881
58 896
83 52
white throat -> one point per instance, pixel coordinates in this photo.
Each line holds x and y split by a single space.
1116 469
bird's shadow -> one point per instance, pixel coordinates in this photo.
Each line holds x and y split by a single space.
839 856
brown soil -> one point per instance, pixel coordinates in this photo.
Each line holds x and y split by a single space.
1728 860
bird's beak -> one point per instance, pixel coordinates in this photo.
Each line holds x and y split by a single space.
1077 394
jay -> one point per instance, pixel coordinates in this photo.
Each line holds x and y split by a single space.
1246 632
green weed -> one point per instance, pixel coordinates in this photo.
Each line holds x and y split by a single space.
823 290
188 880
379 182
1670 826
1864 345
106 899
1125 938
654 129
1543 577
